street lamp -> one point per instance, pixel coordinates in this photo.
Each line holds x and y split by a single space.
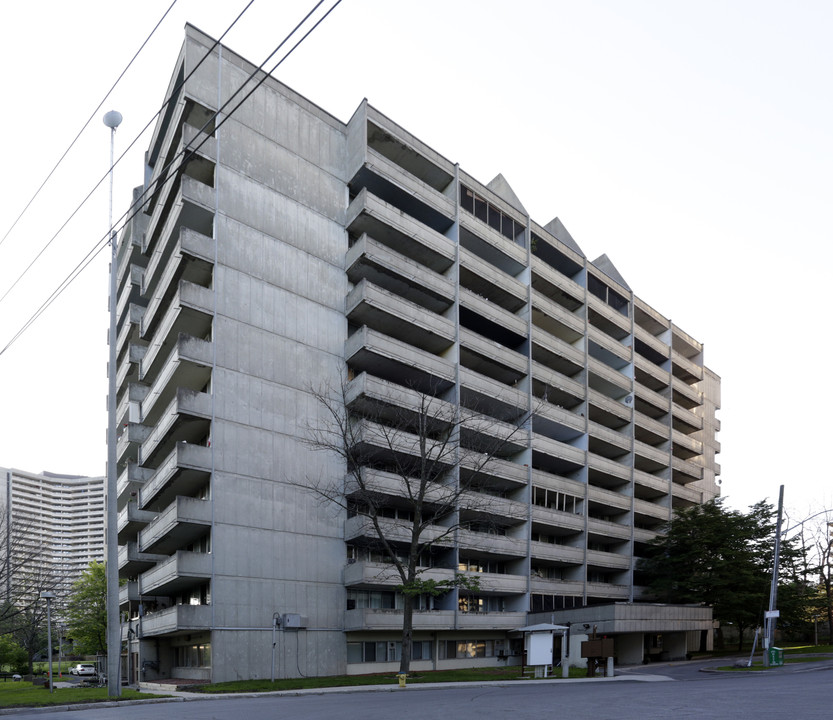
112 120
48 595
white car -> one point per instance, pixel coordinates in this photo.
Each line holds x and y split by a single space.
82 669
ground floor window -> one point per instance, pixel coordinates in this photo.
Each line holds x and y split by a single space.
463 649
193 655
386 651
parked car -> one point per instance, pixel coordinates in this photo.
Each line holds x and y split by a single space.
82 669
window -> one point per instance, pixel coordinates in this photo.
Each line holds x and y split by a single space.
386 651
498 220
193 656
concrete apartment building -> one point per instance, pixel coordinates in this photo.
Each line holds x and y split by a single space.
292 250
56 519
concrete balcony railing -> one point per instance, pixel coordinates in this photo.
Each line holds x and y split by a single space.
371 260
652 342
608 590
390 226
188 366
130 481
367 304
193 202
652 486
492 391
686 417
552 586
129 441
485 621
132 562
556 319
182 522
542 516
557 380
492 312
615 407
183 472
373 352
190 312
608 466
686 470
652 398
131 520
691 394
415 188
611 315
500 584
376 575
491 359
601 559
549 275
608 530
176 573
556 449
613 346
650 510
360 526
495 468
654 426
554 352
661 457
191 258
652 369
620 439
492 543
688 442
690 495
557 553
617 502
187 418
484 241
686 367
179 618
379 619
483 278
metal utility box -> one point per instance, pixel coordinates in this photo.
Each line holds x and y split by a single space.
597 648
293 621
776 656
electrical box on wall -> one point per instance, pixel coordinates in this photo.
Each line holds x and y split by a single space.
293 621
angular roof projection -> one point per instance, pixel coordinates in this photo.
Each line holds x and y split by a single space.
608 268
556 227
500 187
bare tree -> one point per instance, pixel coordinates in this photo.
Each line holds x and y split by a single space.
824 548
416 466
20 555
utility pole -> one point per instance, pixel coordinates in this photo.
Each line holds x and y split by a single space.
771 615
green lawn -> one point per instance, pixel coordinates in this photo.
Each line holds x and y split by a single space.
24 694
464 675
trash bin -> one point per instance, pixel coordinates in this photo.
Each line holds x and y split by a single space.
776 656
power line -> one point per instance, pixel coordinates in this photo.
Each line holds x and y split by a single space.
89 120
129 147
186 157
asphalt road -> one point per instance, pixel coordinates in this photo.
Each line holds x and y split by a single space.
798 692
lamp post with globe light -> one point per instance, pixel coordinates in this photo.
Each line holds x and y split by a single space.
112 120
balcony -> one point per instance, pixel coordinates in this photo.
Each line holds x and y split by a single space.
606 319
187 367
186 419
556 519
177 619
398 531
608 560
390 182
384 575
370 619
491 543
190 313
128 442
555 319
130 481
191 259
608 530
608 590
184 521
192 206
555 353
485 621
552 586
131 520
371 351
388 313
500 324
185 471
132 562
491 358
176 573
558 554
490 245
487 281
386 224
370 260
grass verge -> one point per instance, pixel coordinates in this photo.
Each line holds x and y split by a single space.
463 675
24 694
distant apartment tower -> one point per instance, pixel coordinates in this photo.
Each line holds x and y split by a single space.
291 249
57 521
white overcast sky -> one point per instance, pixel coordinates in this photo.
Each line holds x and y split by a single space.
688 140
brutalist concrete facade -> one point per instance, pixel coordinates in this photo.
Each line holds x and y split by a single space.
292 250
